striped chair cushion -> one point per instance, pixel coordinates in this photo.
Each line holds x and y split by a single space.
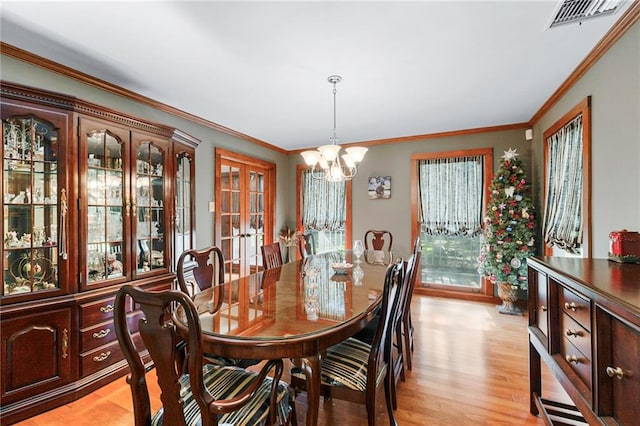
345 364
224 383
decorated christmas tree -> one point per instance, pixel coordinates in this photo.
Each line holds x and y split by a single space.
509 231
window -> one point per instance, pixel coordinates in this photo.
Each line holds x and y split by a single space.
450 191
324 209
567 181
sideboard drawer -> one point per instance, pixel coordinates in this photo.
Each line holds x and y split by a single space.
576 334
576 306
580 363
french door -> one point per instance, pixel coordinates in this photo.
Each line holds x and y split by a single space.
244 210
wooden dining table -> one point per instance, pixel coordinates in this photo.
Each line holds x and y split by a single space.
295 311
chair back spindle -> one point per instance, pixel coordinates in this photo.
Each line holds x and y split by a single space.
271 255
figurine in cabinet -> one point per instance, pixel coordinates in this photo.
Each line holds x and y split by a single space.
11 239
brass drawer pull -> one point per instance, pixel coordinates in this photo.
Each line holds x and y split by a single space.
102 333
571 306
616 372
573 358
106 309
65 343
102 356
574 333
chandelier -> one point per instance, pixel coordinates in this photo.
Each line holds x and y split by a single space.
326 162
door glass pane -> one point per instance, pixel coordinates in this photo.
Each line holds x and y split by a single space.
183 240
150 209
105 189
30 205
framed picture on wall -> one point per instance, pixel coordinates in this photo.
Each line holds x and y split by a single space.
379 187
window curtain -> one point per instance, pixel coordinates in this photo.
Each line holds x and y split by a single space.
323 203
451 195
563 209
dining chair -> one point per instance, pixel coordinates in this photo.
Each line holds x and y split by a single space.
377 247
306 245
205 394
407 323
354 370
198 270
271 255
400 354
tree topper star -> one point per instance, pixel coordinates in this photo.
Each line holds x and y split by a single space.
510 155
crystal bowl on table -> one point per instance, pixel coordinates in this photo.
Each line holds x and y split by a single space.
341 268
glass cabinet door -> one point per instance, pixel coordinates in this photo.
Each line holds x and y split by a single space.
34 219
149 207
105 188
183 216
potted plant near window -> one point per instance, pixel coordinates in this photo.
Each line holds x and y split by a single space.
509 232
289 239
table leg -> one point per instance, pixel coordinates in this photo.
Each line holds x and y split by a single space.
311 368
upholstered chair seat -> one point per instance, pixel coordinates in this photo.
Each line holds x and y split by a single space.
345 364
227 383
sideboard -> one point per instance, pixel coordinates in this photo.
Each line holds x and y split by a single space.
584 324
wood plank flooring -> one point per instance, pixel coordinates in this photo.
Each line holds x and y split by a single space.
470 367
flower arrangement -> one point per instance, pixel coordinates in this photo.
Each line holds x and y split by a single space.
509 225
288 237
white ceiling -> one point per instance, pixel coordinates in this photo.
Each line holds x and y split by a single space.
261 68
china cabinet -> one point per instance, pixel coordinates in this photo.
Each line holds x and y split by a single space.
92 199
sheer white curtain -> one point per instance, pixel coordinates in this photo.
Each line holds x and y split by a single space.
563 209
323 204
451 191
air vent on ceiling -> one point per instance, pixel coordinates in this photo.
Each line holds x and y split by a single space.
578 10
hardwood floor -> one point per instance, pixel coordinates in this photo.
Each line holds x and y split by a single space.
470 367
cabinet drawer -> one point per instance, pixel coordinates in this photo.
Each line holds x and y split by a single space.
579 362
100 358
104 356
576 334
96 312
98 335
576 306
104 333
99 311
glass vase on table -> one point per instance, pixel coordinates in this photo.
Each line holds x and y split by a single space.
358 250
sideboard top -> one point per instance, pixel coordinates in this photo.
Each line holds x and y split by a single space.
605 279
